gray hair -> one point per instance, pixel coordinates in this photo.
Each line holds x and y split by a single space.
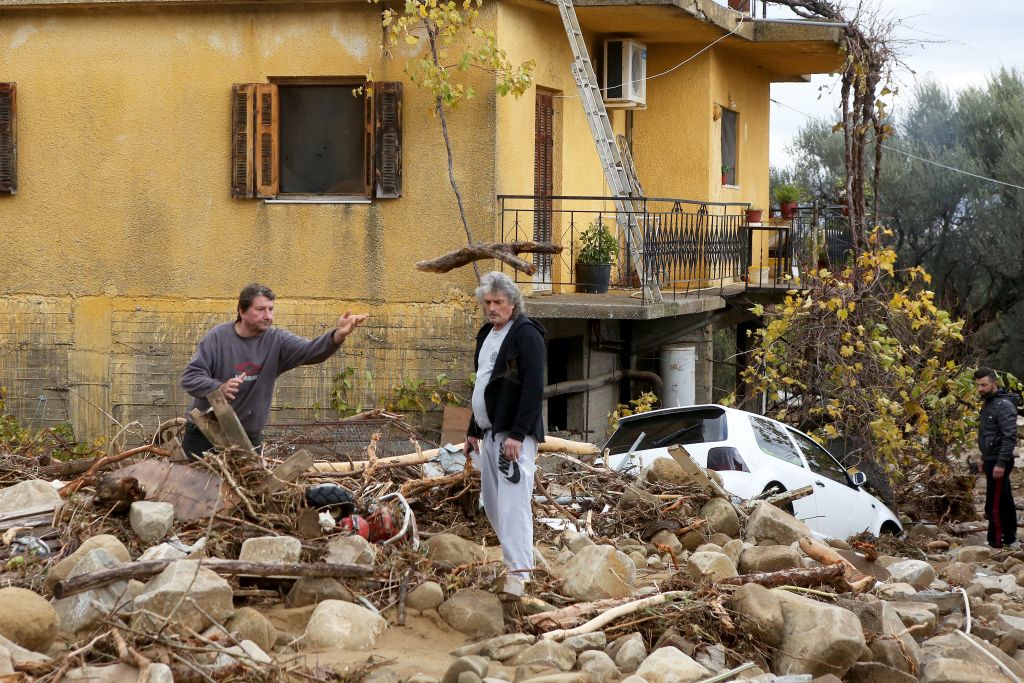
498 283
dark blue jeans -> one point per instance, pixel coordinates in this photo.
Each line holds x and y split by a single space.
195 442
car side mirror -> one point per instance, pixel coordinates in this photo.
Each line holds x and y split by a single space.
858 478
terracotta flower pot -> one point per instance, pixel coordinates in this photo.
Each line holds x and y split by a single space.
788 209
754 215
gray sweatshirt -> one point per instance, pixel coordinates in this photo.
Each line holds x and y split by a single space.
223 354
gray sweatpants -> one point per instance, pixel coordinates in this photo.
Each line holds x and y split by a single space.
506 491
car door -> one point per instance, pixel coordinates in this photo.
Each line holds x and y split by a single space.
783 465
842 511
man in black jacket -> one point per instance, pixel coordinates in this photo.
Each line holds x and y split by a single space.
997 437
507 422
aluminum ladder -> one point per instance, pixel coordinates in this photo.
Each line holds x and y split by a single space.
616 173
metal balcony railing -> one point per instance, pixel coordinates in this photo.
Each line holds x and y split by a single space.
821 236
686 245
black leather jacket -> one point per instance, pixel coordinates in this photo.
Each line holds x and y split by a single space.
514 396
997 428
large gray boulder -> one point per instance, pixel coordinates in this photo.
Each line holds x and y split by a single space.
599 665
721 516
915 572
955 646
949 670
28 494
817 639
27 619
275 549
598 572
546 652
82 612
151 520
768 558
664 471
452 550
628 652
474 612
760 612
108 542
892 645
343 625
670 665
190 594
769 523
710 565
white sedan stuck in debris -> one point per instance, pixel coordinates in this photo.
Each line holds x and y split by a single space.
754 454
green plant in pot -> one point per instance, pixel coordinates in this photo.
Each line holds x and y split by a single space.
598 248
787 196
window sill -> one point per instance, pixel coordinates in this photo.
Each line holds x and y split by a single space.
318 200
731 187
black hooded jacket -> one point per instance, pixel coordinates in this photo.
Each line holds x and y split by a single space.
997 428
514 396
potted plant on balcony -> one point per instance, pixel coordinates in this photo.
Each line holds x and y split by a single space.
725 174
787 196
598 247
754 214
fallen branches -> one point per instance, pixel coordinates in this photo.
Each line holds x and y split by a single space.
779 499
135 570
831 575
503 251
611 615
103 462
857 582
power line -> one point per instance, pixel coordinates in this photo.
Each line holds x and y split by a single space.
908 154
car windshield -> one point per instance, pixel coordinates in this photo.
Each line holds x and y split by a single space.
662 430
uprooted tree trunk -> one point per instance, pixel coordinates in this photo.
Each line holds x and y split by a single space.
502 251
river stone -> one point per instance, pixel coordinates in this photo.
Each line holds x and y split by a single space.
918 614
759 611
27 619
599 665
309 590
576 541
249 624
452 550
876 672
474 612
710 565
110 543
598 572
354 550
669 540
162 551
958 573
192 592
974 553
896 647
82 612
151 520
343 625
427 595
915 572
546 652
669 665
664 471
467 664
768 522
586 641
28 494
721 516
768 558
273 549
628 652
948 670
817 638
895 591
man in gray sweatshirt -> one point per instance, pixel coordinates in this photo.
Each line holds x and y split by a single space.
244 359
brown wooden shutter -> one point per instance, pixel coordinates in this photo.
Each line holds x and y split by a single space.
267 180
387 97
369 148
243 111
8 140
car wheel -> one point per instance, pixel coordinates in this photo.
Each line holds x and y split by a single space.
774 488
890 529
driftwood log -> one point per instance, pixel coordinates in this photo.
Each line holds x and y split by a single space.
858 581
831 575
503 251
135 570
779 499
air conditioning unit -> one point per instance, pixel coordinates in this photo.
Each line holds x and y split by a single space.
625 74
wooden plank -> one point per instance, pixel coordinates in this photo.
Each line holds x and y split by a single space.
288 471
46 508
233 431
210 428
454 424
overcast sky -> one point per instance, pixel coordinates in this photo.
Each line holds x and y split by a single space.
964 42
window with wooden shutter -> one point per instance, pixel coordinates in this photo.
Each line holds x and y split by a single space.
242 115
267 179
388 139
8 140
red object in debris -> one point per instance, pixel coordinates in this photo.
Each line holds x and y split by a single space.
382 524
356 525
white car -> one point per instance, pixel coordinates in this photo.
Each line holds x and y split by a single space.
754 454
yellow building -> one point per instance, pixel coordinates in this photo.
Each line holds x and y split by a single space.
157 156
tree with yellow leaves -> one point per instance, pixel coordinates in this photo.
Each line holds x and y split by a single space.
866 354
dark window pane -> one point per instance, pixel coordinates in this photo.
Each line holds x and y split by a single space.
728 146
773 441
819 460
662 431
321 140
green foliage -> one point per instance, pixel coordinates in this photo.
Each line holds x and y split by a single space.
787 194
345 399
57 441
868 355
452 44
641 404
420 395
597 244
